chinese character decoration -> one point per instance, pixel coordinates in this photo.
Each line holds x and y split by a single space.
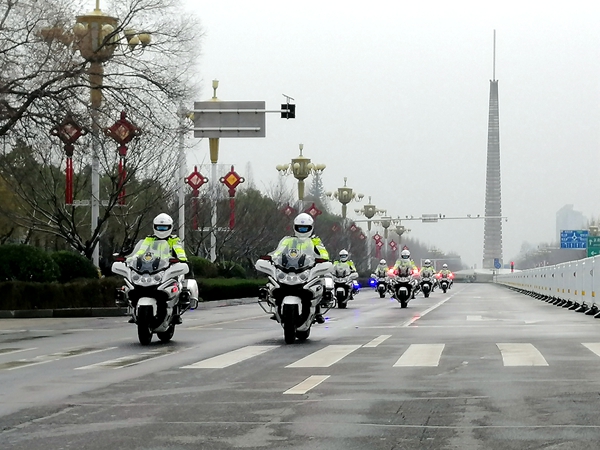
68 131
336 227
195 180
353 228
231 180
122 132
313 211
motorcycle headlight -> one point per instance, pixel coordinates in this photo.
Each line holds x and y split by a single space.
136 278
158 278
281 276
303 277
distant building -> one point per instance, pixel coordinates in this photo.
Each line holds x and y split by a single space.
568 219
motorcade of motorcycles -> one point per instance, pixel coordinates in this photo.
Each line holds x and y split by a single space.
404 285
294 290
343 284
445 281
154 286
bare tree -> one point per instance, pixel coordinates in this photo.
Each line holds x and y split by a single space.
45 75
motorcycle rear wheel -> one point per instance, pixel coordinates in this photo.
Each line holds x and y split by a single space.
166 336
303 335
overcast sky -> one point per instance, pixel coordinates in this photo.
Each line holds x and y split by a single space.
395 96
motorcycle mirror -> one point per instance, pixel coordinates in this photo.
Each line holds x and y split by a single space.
320 260
173 260
118 258
266 258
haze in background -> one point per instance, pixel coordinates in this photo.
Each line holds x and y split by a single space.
395 96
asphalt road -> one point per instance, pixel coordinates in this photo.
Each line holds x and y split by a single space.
480 367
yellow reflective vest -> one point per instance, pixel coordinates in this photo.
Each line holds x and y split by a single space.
165 248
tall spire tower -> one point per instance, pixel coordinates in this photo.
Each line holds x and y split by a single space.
492 234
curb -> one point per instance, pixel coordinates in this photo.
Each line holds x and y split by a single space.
104 312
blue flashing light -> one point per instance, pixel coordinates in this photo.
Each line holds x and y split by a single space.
372 282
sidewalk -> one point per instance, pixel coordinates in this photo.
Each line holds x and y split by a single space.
105 312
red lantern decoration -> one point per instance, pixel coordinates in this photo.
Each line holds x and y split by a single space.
68 131
231 180
377 237
313 211
353 228
378 246
122 132
289 211
195 180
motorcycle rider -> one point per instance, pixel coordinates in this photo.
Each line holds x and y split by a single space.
303 239
163 226
343 262
406 262
448 273
382 269
428 271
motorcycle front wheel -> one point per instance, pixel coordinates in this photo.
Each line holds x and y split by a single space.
144 318
288 317
303 335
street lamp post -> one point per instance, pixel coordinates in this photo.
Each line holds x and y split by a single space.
96 38
301 167
369 210
345 195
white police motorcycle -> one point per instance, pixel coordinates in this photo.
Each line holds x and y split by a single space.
154 286
294 291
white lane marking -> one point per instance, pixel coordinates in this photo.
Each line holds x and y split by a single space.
131 360
307 384
421 355
43 359
428 310
10 351
230 358
593 346
325 357
521 355
210 325
378 340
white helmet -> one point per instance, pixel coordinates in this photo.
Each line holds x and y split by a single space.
405 254
427 263
343 255
445 266
303 225
163 225
383 262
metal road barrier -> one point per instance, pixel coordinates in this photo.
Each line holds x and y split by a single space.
572 285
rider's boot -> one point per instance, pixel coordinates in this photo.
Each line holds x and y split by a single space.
318 316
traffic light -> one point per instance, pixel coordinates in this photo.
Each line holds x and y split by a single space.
512 266
288 111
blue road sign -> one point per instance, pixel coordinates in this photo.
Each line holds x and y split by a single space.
573 238
497 264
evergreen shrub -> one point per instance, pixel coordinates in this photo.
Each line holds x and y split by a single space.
20 262
73 266
203 268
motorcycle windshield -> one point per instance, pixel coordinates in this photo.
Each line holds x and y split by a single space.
295 259
341 270
404 271
150 258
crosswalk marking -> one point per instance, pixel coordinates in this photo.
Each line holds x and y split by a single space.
231 358
521 355
421 355
378 340
326 356
307 384
594 346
